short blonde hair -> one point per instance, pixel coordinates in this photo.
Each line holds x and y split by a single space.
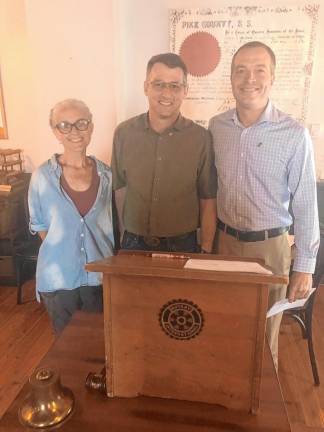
68 103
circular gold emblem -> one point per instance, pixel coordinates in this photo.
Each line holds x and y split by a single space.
181 319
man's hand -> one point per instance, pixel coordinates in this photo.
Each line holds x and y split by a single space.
207 223
299 285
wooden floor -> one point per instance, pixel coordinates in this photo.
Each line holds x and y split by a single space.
304 401
26 335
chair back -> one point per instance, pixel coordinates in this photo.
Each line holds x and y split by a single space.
319 268
26 240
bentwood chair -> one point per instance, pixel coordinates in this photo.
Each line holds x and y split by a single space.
25 253
304 315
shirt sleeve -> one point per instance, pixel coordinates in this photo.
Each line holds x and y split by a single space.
36 221
207 177
118 174
302 184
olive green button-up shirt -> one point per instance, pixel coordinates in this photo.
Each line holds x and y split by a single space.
165 175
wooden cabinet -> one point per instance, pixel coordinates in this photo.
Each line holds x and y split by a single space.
13 225
180 333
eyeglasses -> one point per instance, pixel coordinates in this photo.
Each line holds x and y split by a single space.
65 127
174 87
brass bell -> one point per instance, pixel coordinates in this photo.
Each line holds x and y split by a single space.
48 403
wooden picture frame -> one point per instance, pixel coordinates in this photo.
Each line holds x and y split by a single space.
3 122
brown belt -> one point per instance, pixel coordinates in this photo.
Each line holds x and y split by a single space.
154 241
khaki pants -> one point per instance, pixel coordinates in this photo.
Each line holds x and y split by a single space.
276 253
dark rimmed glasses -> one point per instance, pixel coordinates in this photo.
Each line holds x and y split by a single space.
174 86
66 127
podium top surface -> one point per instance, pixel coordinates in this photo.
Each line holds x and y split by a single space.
171 265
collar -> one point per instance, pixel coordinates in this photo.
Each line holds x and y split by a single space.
53 163
55 166
179 124
270 114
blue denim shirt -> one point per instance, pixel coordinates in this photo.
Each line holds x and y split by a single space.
71 240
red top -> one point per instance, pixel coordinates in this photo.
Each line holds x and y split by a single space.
83 200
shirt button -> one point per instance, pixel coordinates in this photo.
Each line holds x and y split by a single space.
159 158
81 220
170 133
82 249
82 235
242 154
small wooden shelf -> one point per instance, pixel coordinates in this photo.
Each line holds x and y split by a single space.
11 165
10 158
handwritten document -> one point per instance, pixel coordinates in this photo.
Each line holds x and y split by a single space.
223 265
284 304
290 30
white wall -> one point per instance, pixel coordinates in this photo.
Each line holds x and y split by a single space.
52 50
17 76
96 51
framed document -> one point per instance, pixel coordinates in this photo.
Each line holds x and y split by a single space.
207 38
3 124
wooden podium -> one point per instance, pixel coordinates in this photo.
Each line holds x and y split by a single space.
186 334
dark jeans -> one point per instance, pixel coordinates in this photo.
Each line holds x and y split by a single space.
62 304
182 243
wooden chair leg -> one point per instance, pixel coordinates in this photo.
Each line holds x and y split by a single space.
19 272
309 333
300 318
313 361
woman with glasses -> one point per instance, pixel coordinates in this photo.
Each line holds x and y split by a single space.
70 209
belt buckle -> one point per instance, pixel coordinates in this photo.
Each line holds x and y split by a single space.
152 241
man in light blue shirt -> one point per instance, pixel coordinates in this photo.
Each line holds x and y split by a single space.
264 158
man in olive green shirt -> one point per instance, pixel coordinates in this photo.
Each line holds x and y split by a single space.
166 164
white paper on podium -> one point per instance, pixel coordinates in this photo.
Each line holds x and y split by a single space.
284 304
223 265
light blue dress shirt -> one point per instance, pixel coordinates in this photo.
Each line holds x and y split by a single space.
259 169
72 240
